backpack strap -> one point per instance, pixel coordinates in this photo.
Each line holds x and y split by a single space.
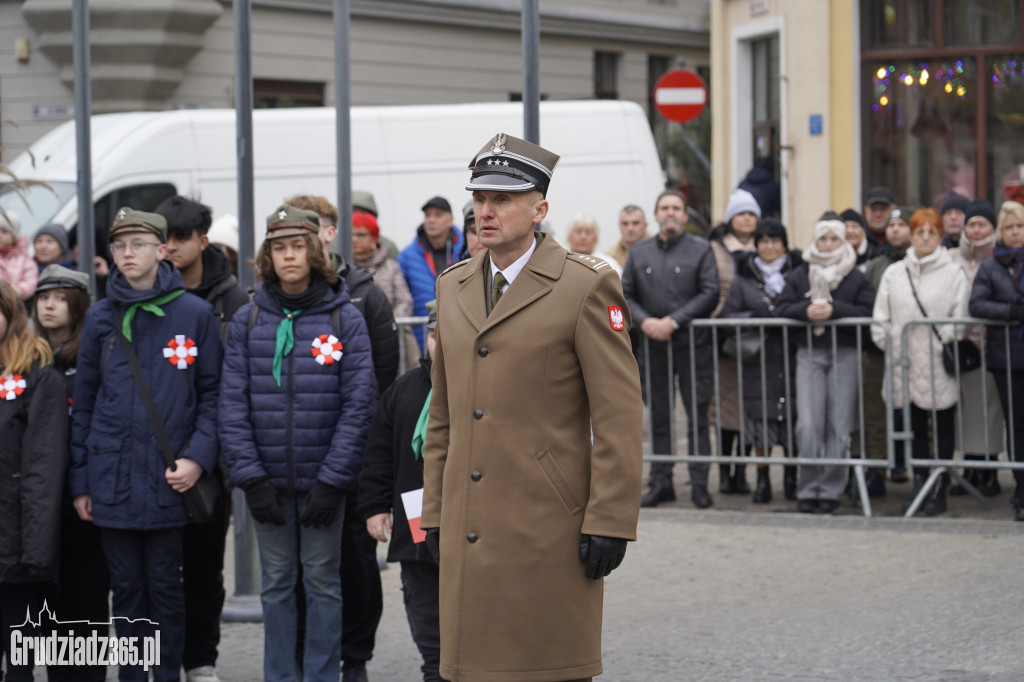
254 316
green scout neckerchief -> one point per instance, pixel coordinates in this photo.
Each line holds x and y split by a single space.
285 340
153 305
419 434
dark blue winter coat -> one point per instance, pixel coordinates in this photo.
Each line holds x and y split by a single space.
115 456
313 426
992 296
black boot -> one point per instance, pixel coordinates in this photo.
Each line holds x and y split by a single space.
973 476
726 484
919 479
988 482
789 481
936 502
661 490
739 479
700 496
763 491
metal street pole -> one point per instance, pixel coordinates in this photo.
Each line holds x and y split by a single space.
83 141
531 67
343 129
244 604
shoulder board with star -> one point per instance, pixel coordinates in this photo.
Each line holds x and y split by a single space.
453 266
596 264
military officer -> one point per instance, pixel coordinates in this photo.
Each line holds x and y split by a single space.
526 511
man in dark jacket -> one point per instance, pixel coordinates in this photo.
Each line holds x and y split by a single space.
670 280
207 274
119 478
390 490
362 601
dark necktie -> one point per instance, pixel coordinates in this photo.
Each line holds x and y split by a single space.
499 282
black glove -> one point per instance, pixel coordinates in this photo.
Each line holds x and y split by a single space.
321 505
1017 311
263 502
434 544
603 555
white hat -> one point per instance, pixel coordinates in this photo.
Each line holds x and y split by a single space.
741 201
10 221
836 227
224 230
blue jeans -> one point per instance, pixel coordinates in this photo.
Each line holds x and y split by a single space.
319 550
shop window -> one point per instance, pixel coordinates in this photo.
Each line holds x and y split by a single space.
896 23
657 66
280 94
606 75
764 54
1004 79
980 22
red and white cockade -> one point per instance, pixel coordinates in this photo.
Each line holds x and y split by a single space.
326 349
11 386
181 351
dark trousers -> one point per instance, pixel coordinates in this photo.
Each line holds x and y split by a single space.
146 581
83 591
419 592
661 388
17 599
1014 421
945 429
204 588
362 602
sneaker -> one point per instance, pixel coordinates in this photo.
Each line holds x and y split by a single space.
204 673
354 671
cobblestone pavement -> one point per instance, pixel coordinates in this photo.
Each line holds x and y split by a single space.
733 594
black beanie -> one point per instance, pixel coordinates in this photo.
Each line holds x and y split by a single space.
850 214
980 207
955 200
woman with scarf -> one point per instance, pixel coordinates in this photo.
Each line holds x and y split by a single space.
926 283
982 437
297 397
826 287
760 278
998 294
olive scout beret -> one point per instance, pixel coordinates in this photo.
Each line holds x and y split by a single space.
60 277
288 221
129 220
364 200
432 314
508 164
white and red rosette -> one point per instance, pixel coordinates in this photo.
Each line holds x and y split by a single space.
181 351
326 349
11 386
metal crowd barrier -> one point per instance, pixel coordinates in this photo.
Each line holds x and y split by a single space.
941 466
735 326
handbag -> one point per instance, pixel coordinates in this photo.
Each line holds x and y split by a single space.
968 353
748 348
202 500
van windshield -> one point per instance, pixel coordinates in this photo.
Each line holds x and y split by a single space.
38 205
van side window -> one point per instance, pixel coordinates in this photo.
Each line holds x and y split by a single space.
139 197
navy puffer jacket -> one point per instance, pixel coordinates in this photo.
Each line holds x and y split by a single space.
313 426
115 456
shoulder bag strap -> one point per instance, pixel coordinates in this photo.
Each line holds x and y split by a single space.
147 400
913 290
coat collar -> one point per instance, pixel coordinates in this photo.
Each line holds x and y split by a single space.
544 267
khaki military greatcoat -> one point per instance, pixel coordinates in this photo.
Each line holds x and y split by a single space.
510 475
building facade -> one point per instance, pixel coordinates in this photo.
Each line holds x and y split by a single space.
180 54
923 96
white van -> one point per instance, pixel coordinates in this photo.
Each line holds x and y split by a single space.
403 154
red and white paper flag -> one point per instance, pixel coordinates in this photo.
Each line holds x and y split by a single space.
413 503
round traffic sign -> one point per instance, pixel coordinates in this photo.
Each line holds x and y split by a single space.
680 95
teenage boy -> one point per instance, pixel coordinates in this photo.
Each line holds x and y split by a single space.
119 479
207 274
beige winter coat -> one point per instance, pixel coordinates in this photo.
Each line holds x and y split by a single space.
942 287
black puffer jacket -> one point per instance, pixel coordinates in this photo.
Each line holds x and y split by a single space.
220 288
994 297
854 297
747 298
33 460
373 303
389 466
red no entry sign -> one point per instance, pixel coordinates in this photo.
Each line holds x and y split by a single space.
680 95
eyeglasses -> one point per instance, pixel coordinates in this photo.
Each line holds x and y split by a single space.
134 247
